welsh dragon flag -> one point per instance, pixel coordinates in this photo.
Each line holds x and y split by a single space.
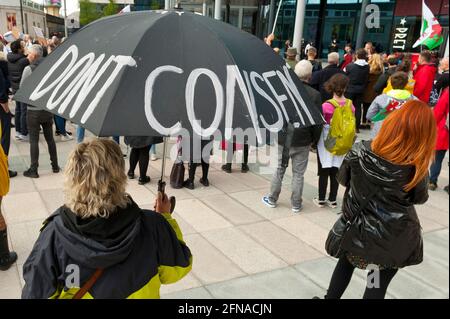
431 32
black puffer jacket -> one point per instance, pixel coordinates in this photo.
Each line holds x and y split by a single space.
388 231
16 63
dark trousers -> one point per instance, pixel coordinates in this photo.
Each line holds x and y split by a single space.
357 103
193 167
324 175
142 156
343 274
21 118
230 153
435 168
5 119
60 124
36 119
364 112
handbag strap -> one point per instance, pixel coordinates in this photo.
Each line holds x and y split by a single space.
88 284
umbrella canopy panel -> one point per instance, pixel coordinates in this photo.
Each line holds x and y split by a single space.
151 73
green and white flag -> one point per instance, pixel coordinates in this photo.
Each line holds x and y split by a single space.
431 32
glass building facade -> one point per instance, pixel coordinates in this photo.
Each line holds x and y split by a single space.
333 19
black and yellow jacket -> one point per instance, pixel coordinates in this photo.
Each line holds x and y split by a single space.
138 249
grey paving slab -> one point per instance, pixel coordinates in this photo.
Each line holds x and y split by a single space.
195 293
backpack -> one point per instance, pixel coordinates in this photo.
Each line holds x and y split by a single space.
342 132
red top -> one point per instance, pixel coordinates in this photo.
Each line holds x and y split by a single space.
347 60
424 76
440 114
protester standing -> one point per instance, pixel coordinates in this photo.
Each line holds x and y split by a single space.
441 116
291 55
424 73
348 56
312 55
36 119
17 61
7 257
319 78
126 251
384 178
384 103
328 164
382 81
375 69
404 66
198 152
140 153
358 74
294 144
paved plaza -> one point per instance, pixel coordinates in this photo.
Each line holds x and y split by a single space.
241 248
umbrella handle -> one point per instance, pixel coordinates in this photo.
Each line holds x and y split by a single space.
161 182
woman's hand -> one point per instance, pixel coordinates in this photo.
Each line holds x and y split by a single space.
162 203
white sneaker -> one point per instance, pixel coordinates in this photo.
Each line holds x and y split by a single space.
24 138
66 138
18 136
266 200
332 204
297 209
319 203
153 157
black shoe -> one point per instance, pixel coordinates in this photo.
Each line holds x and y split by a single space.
204 182
56 169
7 258
245 168
31 173
130 175
143 180
188 184
446 189
432 186
12 174
69 133
226 168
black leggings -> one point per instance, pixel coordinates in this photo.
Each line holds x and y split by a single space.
343 274
324 174
141 155
193 167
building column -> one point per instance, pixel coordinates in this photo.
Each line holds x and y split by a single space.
241 17
166 4
362 25
298 26
204 8
218 10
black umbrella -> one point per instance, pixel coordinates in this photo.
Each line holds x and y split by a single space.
150 73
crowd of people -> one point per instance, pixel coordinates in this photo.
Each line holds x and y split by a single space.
405 106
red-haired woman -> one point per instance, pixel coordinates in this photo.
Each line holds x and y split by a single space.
385 178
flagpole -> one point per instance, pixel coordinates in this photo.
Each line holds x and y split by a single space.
276 17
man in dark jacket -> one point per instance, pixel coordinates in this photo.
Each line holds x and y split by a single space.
294 143
17 61
358 74
5 113
384 77
319 78
36 119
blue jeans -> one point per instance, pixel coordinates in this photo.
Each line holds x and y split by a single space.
435 168
60 124
80 134
153 149
21 118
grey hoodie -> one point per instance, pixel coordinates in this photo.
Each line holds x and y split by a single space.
382 101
